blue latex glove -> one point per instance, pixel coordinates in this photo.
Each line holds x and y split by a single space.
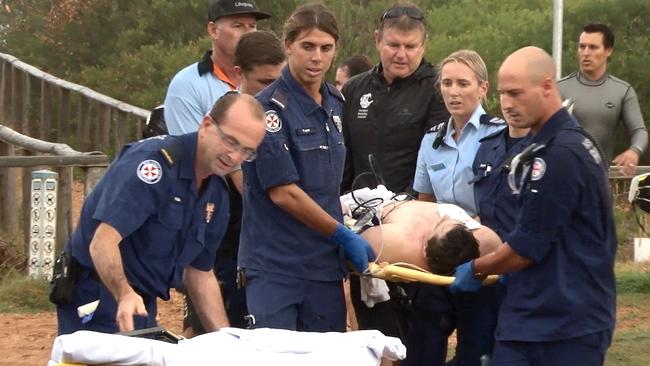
465 280
356 249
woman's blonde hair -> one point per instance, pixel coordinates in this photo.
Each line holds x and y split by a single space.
470 59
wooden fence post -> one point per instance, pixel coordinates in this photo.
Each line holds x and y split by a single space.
64 116
46 111
5 92
3 117
120 130
103 129
16 100
83 124
10 204
27 129
64 207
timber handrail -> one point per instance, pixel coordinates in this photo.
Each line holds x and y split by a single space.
85 91
60 156
14 138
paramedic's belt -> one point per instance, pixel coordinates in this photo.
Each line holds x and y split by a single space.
402 272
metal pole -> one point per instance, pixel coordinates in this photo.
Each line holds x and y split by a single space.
558 10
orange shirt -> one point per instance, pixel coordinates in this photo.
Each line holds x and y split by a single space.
223 77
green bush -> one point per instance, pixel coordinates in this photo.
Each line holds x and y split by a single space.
22 294
130 49
631 278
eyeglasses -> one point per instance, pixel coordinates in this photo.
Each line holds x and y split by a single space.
396 12
232 143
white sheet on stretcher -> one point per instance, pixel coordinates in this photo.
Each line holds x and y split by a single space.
231 346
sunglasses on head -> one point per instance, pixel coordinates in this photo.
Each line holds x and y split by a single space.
396 12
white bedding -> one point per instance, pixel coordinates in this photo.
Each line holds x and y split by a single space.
231 346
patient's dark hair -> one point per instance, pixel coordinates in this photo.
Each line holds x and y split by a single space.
445 253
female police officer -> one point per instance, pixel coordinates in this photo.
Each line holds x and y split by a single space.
444 173
291 232
444 167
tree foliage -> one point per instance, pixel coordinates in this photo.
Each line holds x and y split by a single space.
130 49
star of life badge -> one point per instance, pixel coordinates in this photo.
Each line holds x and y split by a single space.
150 171
337 123
272 121
539 168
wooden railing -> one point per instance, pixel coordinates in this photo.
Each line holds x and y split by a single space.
43 106
34 103
15 193
37 104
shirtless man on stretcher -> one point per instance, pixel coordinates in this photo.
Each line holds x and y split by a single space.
435 237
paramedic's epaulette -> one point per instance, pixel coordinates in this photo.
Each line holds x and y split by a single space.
440 130
280 97
335 92
172 150
491 120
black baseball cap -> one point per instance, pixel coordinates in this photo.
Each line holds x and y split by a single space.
220 8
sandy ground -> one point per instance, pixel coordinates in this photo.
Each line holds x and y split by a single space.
26 339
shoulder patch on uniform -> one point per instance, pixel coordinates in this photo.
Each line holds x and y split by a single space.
279 98
539 168
436 128
491 120
569 104
440 130
338 123
272 121
172 151
150 171
592 149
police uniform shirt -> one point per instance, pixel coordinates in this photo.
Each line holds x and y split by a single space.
565 226
447 171
303 145
150 197
497 206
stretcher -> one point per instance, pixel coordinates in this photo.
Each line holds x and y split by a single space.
229 346
394 272
404 272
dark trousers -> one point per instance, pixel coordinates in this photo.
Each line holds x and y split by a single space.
587 350
283 302
424 316
476 318
88 289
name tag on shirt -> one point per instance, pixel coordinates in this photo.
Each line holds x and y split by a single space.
437 167
304 131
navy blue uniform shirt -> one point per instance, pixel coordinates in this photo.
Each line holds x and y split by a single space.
497 205
565 226
165 222
303 145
